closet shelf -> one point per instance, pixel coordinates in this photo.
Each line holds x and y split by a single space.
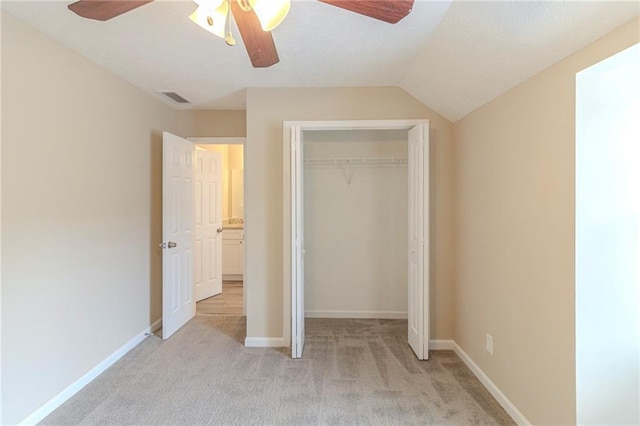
362 161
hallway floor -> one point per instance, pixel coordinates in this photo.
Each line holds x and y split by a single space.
229 302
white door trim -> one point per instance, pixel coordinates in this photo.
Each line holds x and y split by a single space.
287 253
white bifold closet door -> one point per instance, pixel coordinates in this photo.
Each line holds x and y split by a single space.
297 243
418 225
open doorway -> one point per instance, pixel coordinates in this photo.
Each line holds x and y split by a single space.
412 283
229 296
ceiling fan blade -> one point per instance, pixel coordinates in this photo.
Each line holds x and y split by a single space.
259 44
103 10
390 11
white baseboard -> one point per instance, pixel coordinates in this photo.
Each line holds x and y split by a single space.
153 328
355 314
440 345
232 277
266 342
502 399
76 386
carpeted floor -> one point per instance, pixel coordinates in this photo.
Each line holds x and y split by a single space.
352 372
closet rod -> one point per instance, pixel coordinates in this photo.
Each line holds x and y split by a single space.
362 161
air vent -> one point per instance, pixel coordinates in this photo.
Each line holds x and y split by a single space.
175 97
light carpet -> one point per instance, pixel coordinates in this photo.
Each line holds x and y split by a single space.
352 372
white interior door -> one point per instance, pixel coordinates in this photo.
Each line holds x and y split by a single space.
297 244
418 228
208 225
178 301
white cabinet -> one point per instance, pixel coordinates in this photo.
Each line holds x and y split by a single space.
232 254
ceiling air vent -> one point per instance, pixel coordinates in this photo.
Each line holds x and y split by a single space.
175 97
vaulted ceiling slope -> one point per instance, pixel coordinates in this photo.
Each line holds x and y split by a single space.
454 57
482 49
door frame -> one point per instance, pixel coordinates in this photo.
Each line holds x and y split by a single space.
404 124
209 140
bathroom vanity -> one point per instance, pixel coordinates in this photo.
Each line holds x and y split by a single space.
232 253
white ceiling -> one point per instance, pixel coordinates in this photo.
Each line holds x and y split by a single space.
482 49
453 57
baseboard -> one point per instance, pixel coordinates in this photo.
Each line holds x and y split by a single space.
55 402
153 328
266 342
232 277
440 345
355 314
502 399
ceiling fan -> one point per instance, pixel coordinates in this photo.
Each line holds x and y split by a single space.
255 18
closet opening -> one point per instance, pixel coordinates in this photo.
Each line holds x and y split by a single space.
357 225
355 211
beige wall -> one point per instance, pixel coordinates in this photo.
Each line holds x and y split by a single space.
236 156
266 110
514 235
214 123
231 159
236 189
81 198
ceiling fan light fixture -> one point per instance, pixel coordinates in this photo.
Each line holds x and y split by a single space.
270 12
210 18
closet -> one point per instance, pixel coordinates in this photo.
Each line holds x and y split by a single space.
355 223
346 186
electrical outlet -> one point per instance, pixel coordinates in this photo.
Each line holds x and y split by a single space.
489 344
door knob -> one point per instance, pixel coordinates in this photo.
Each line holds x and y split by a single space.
171 244
219 230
